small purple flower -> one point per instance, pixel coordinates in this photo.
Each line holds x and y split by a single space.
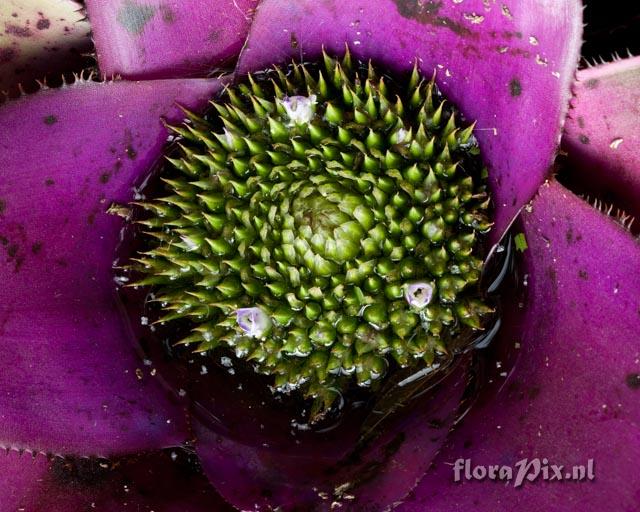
300 109
419 295
73 384
253 321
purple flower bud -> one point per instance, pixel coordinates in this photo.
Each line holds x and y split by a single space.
254 321
419 294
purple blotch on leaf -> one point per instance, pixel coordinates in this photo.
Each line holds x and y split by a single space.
17 31
515 87
43 24
133 17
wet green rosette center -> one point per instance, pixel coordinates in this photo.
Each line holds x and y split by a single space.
324 224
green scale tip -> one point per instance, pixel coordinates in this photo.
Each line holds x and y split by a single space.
323 222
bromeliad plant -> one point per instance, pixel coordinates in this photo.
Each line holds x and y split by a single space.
333 171
319 223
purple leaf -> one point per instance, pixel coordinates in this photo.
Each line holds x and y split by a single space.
72 382
159 481
573 393
601 135
160 39
39 39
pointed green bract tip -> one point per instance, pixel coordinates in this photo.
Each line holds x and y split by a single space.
323 223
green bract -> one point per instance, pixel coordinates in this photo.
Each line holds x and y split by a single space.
322 222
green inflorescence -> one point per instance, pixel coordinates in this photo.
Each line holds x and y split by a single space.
322 221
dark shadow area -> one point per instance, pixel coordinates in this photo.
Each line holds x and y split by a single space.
610 27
